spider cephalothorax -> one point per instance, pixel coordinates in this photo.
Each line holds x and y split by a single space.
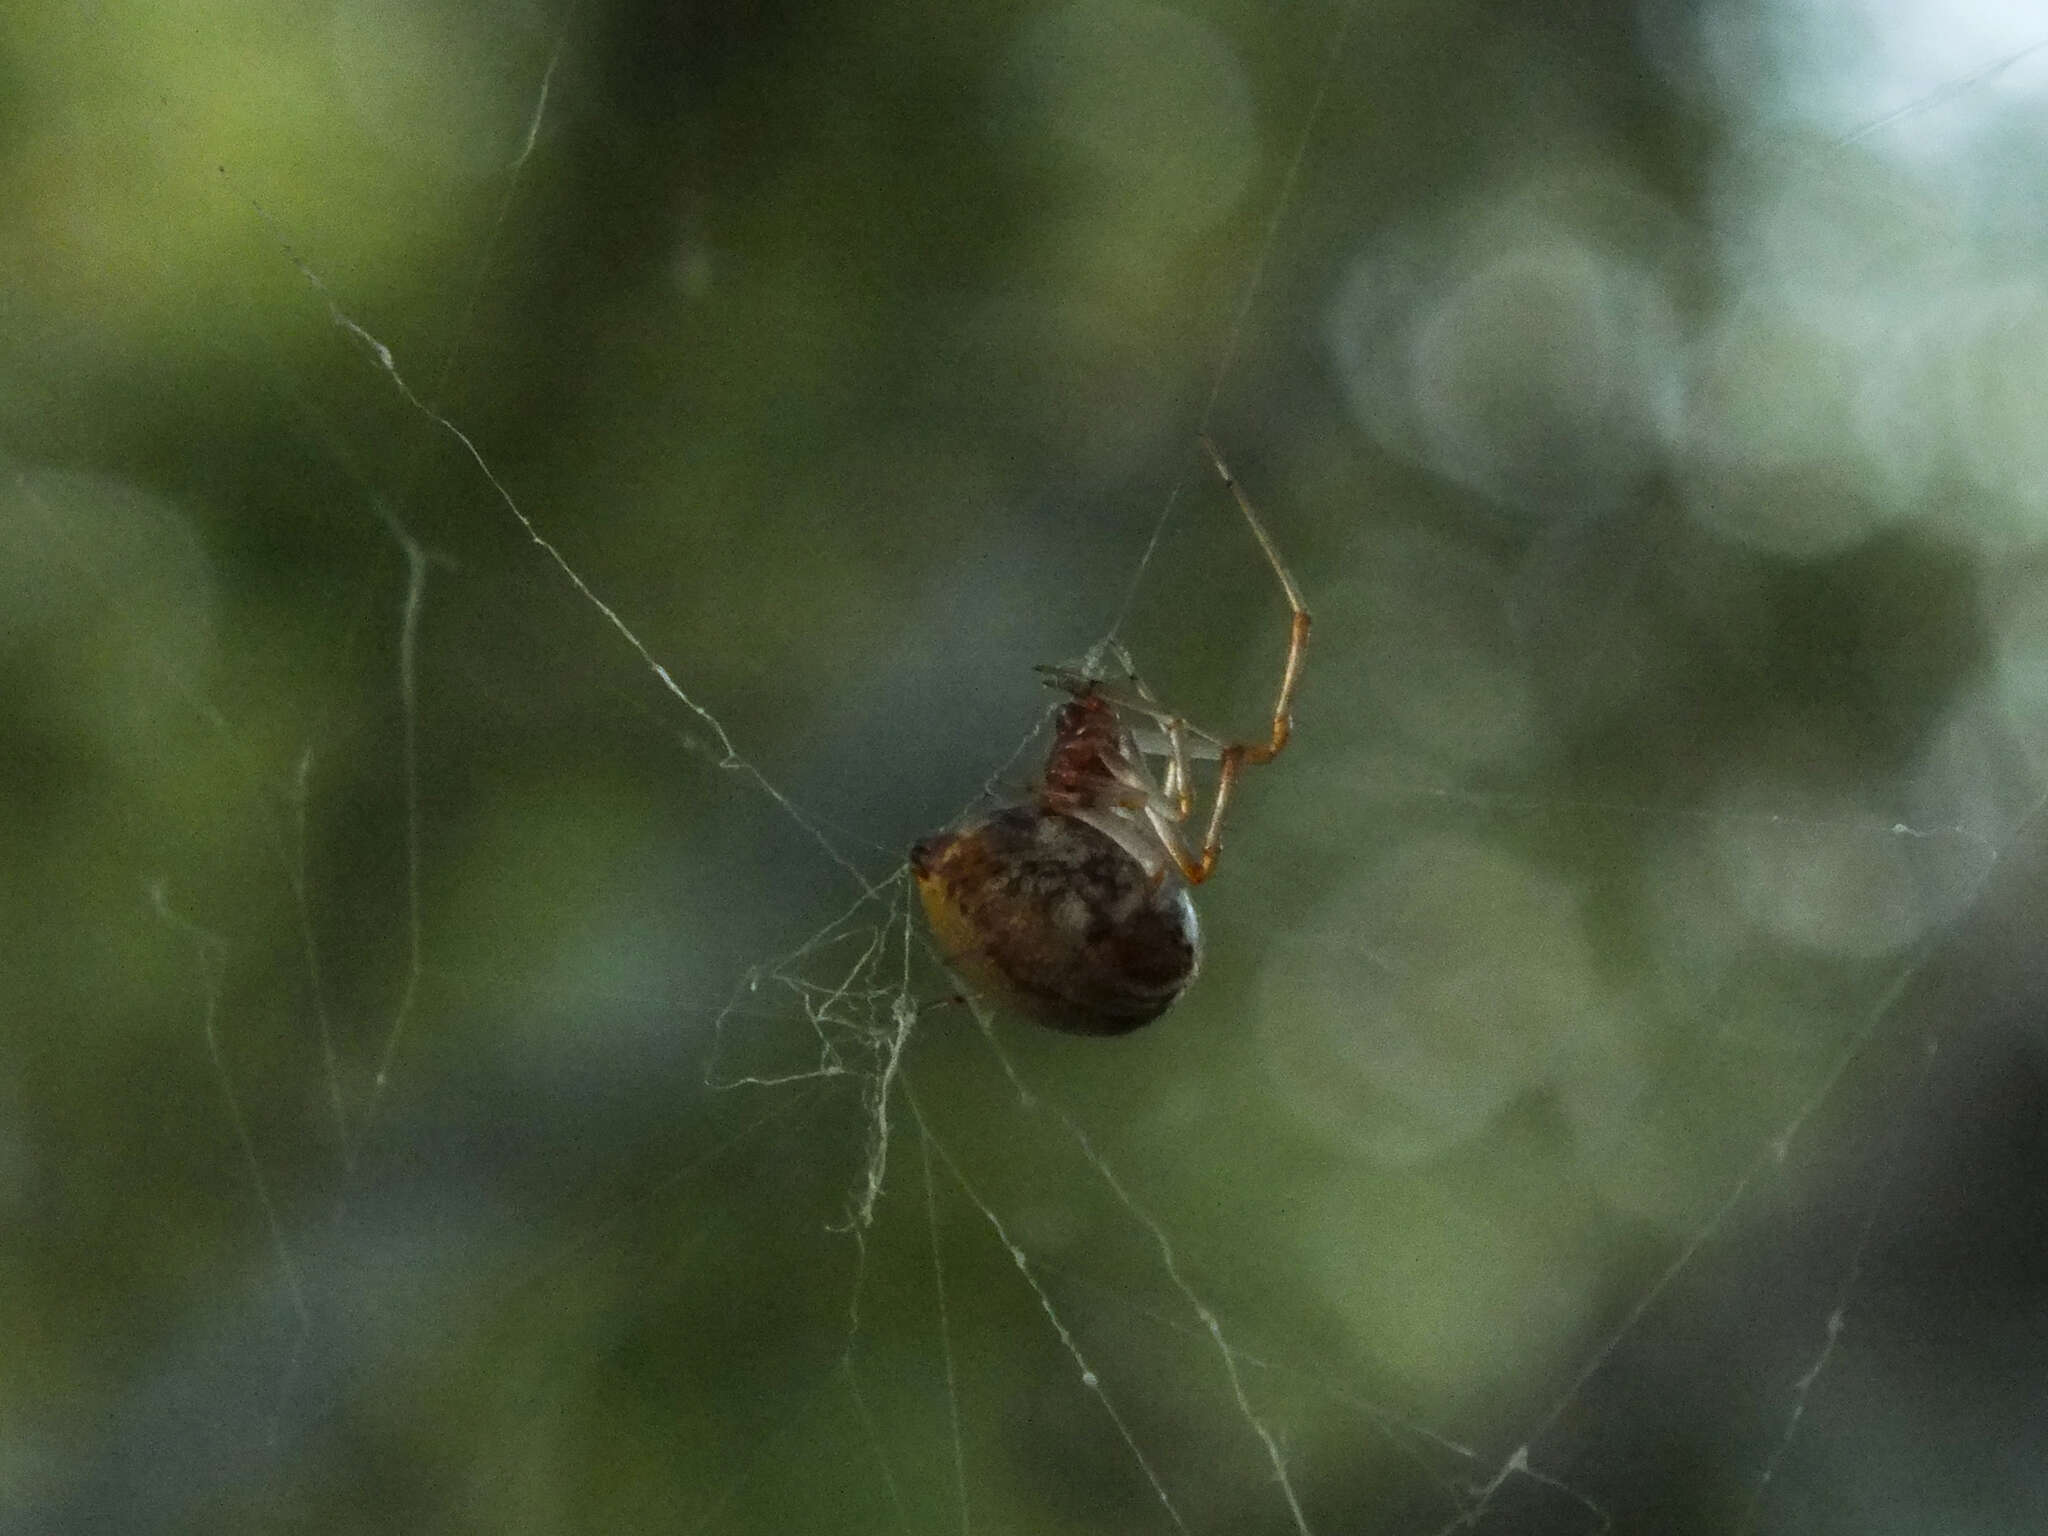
1072 904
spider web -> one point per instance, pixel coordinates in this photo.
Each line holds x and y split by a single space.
1495 1177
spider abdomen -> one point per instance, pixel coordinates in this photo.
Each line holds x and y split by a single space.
1046 912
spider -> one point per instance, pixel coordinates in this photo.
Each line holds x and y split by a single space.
1071 904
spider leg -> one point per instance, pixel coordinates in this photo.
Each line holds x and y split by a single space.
1074 680
1091 664
1297 633
1226 784
1200 743
1146 794
1177 787
1197 745
1238 756
1167 830
1180 784
1148 817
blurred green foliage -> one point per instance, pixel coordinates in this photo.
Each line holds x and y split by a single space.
387 943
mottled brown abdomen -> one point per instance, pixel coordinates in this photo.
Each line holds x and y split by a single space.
1052 917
